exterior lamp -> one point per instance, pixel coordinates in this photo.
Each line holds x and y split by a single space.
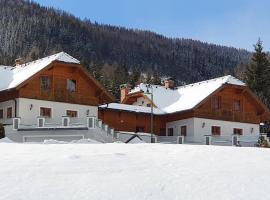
203 124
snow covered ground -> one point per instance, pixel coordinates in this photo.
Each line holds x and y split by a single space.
132 171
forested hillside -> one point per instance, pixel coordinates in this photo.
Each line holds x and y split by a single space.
31 31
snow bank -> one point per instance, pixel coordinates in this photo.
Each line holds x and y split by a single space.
82 141
138 171
6 140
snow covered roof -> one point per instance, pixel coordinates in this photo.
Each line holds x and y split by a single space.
11 76
131 108
175 100
185 97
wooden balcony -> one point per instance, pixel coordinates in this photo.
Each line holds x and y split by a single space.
228 115
63 95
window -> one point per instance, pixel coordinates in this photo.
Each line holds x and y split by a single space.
140 129
216 102
238 131
72 113
71 85
46 112
9 112
215 130
1 113
237 105
183 130
170 131
163 131
45 83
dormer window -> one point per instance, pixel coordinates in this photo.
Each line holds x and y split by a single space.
45 83
71 85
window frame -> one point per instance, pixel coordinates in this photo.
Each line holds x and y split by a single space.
1 113
235 131
215 130
69 110
239 107
216 102
8 114
183 127
41 83
168 133
41 107
68 85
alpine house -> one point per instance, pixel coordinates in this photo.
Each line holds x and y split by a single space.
221 106
50 87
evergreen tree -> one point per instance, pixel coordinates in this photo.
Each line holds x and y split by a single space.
257 73
156 78
121 76
134 77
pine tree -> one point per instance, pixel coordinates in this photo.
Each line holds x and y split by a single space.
156 78
257 73
134 77
121 76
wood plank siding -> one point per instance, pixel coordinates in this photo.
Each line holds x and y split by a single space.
86 92
232 103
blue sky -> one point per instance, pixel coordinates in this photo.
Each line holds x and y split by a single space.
237 23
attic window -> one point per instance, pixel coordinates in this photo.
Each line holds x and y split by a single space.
237 105
71 85
216 102
45 83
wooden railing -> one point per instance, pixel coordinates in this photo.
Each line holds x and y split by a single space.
63 95
228 115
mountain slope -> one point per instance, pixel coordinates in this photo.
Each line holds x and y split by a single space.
31 31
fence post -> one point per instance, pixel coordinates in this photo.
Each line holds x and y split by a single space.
235 140
40 122
65 121
16 123
208 139
99 123
153 139
180 139
91 122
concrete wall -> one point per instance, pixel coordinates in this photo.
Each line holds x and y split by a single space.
4 106
197 130
58 109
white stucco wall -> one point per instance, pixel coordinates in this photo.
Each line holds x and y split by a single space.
226 127
195 127
4 106
176 125
58 109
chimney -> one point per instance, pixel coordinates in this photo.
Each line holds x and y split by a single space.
125 88
169 84
18 61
